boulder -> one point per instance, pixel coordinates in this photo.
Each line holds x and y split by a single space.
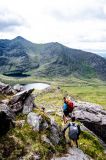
55 134
19 123
34 120
18 87
74 154
93 117
46 140
39 123
6 89
22 102
6 119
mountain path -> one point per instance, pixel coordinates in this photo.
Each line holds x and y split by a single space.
73 154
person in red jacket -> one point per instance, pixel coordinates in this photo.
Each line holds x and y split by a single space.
67 108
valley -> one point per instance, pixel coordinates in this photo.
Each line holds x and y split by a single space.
91 90
68 72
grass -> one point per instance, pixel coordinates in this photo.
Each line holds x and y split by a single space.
2 96
94 94
26 80
25 141
53 100
92 90
91 146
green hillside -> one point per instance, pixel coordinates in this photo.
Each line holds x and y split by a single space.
20 56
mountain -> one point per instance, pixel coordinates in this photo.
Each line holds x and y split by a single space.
20 56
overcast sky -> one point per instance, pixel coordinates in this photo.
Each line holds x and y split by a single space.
74 23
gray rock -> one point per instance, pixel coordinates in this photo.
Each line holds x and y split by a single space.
6 119
47 140
19 123
50 111
55 134
93 117
31 156
5 101
22 102
36 157
40 124
34 120
18 87
6 89
73 154
4 108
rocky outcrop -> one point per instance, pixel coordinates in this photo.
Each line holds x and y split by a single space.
34 120
93 117
73 154
6 89
40 123
18 87
55 134
6 119
19 102
22 102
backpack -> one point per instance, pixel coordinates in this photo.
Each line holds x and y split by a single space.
73 132
70 105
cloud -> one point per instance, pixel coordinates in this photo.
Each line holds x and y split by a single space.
83 11
9 21
76 23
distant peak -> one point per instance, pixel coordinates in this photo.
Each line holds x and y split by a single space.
19 38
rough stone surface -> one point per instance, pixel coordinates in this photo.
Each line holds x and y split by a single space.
34 120
56 133
22 102
73 154
93 117
47 140
6 89
19 123
39 124
18 87
6 117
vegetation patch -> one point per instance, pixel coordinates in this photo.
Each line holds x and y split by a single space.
91 146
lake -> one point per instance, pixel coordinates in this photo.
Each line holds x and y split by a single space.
39 86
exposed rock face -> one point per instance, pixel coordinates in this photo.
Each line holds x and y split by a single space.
34 120
74 154
93 117
6 89
55 134
22 102
18 87
38 123
6 117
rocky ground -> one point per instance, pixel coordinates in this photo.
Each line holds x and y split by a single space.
73 154
34 133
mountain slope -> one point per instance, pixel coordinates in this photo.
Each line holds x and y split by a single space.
20 56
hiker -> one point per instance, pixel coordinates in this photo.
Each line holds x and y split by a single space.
74 131
67 109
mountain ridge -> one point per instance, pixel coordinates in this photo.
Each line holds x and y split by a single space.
18 56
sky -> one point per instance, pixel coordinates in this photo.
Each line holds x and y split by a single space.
79 24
